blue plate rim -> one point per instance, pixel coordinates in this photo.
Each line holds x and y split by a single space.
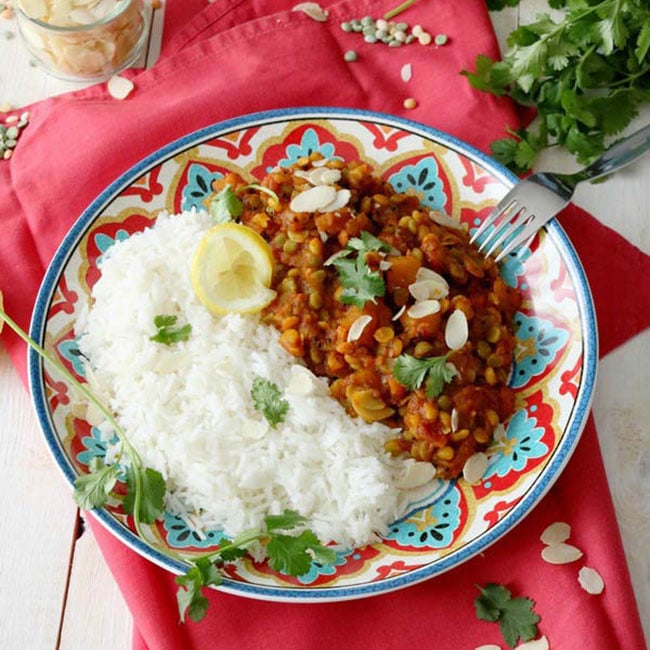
323 594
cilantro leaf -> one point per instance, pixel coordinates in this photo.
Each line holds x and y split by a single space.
367 242
225 205
152 494
291 554
168 332
516 618
412 372
91 490
360 285
189 596
287 520
267 399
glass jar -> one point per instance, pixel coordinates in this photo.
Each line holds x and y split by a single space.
86 40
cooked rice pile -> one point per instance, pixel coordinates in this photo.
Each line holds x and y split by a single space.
187 407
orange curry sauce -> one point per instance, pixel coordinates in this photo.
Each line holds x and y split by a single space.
314 323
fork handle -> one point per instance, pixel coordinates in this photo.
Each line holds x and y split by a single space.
617 156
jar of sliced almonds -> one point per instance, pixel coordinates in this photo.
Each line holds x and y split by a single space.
83 39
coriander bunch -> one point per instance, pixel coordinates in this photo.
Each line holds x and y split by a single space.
586 75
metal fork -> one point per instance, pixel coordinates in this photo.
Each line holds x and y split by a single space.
537 199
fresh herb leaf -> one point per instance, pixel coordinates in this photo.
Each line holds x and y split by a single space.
168 332
191 600
226 205
151 494
412 372
516 618
366 243
286 521
267 399
585 73
359 283
293 555
91 490
498 5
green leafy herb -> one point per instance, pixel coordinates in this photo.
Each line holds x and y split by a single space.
435 372
226 205
586 75
146 493
267 399
366 243
168 331
294 554
516 618
91 490
291 554
359 283
191 600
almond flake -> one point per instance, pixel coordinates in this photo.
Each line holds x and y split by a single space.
561 553
556 533
340 200
489 646
334 256
537 644
313 10
475 467
120 87
356 329
406 72
424 308
454 420
313 199
384 265
320 163
398 315
443 219
499 434
416 474
591 581
456 330
323 236
324 176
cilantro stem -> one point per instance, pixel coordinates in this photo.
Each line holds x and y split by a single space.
399 9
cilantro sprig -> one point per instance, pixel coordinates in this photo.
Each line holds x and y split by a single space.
168 332
226 206
359 283
515 616
291 554
267 399
434 372
144 500
586 75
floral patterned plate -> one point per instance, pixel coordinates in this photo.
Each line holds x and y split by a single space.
451 521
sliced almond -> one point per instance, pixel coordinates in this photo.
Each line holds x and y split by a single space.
340 200
313 199
424 308
499 434
456 330
415 475
324 176
488 646
443 219
475 467
561 553
537 644
406 72
356 329
304 382
398 315
423 273
384 265
591 581
120 87
332 258
556 533
454 420
313 10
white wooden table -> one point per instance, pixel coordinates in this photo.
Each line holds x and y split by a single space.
55 589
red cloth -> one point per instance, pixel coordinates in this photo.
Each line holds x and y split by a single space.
235 57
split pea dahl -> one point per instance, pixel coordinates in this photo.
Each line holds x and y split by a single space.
410 324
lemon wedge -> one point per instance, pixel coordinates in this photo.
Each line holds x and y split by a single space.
232 270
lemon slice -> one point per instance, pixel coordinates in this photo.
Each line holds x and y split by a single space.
232 270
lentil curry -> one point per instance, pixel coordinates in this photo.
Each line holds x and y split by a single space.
357 343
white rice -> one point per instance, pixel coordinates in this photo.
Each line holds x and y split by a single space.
187 407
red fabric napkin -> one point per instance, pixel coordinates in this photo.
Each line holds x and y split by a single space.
235 57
